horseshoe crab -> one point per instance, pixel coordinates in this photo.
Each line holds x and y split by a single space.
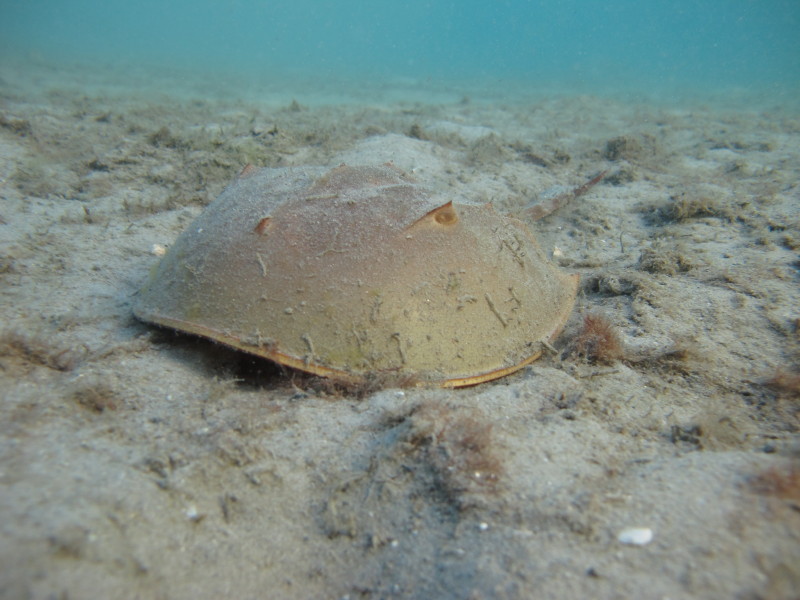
355 272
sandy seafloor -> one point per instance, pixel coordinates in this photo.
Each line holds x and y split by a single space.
136 463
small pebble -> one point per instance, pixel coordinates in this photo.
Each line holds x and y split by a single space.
192 514
636 536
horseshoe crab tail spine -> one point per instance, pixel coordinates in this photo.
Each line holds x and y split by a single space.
539 211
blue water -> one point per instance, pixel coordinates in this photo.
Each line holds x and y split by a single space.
642 44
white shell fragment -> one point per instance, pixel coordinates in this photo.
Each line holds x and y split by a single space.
635 536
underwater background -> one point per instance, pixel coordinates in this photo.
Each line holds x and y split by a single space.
652 452
569 44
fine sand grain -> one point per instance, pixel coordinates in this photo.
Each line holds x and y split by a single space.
140 463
